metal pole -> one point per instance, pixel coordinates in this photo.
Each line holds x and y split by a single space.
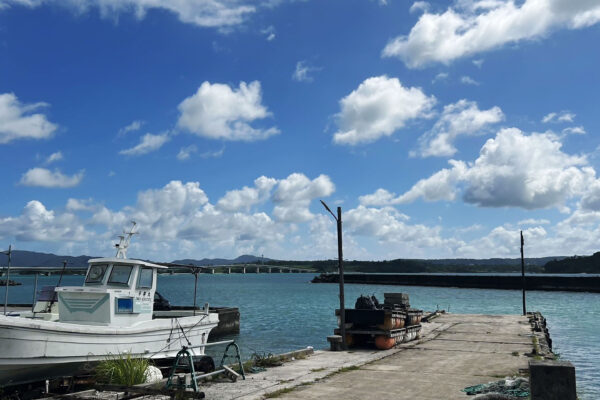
61 273
35 283
49 307
341 272
195 288
7 278
523 274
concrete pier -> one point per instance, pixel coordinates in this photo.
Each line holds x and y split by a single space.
454 351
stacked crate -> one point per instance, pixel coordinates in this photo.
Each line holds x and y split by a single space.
400 301
386 327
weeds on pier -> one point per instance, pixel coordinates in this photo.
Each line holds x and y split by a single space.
122 369
265 360
278 393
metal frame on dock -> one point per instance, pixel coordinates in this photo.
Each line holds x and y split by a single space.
185 354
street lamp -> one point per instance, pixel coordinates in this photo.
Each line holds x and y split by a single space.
338 219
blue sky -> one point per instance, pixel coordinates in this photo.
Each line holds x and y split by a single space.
441 129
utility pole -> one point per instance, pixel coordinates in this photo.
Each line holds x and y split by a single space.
523 274
338 219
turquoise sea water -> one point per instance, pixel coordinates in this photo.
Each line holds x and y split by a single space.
283 312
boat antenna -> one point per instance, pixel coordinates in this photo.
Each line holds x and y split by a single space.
124 241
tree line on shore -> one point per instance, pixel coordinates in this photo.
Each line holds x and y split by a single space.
576 264
558 264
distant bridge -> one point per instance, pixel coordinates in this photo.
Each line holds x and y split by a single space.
256 268
240 268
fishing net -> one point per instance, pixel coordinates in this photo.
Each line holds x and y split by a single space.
510 388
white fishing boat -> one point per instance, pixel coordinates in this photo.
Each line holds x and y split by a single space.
112 313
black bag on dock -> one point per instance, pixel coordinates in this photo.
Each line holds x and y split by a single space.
367 303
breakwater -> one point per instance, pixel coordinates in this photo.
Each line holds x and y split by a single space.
512 282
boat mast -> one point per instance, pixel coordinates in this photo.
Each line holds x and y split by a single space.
123 244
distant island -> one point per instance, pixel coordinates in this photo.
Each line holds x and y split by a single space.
557 264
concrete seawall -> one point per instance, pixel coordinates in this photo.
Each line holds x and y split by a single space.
532 282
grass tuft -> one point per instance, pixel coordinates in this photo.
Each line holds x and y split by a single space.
277 393
122 369
266 360
347 369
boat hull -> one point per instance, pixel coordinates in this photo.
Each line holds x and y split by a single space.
32 350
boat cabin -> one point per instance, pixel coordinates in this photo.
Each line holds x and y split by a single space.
117 292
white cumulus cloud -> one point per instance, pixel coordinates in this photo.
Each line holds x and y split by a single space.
134 126
467 80
148 143
74 205
245 198
533 221
182 211
419 6
505 242
574 130
269 33
512 170
217 111
302 72
43 177
37 223
463 118
377 108
472 26
186 152
204 13
442 76
18 120
56 156
381 197
439 186
563 116
294 194
393 230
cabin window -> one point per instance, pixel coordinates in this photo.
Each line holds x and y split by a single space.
120 274
96 273
145 280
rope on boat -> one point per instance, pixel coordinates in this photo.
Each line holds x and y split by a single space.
181 330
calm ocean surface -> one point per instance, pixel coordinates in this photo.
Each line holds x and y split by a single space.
283 312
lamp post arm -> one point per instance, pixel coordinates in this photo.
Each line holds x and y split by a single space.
328 209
